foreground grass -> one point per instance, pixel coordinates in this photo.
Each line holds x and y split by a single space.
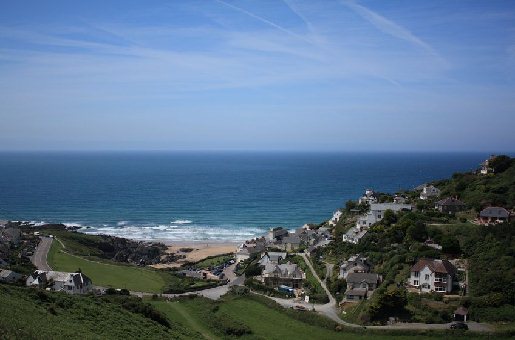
106 274
262 319
30 314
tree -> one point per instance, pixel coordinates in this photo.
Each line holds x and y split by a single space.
389 218
350 204
417 231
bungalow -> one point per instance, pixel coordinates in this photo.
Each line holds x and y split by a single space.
194 274
368 197
360 284
449 205
355 264
71 283
287 274
370 281
432 276
9 276
429 191
356 294
492 215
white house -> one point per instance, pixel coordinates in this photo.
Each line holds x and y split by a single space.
71 283
354 234
432 276
336 217
376 213
368 197
486 166
429 191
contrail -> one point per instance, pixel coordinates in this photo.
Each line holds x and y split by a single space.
297 13
268 22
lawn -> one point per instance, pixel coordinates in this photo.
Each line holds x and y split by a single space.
106 274
214 261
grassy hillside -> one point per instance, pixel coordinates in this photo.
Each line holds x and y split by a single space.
31 314
256 317
478 191
105 274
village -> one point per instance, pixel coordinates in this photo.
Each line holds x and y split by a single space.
296 268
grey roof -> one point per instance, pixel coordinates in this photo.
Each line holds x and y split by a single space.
355 261
357 292
391 206
360 277
272 257
449 201
494 212
286 270
292 239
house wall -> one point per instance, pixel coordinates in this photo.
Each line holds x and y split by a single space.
426 279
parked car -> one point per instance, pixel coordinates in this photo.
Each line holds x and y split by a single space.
459 325
299 307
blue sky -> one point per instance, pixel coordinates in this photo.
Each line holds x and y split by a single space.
258 75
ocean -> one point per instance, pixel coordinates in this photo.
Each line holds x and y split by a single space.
197 196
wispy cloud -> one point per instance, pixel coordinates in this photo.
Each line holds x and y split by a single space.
388 26
263 20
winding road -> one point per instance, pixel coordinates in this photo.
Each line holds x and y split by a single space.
40 255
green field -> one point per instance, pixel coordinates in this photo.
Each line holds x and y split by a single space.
106 274
214 261
261 319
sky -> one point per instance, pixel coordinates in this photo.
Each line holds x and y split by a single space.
332 75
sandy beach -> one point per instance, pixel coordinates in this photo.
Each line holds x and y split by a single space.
200 251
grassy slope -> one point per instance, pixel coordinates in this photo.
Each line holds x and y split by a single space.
264 321
26 315
107 275
478 191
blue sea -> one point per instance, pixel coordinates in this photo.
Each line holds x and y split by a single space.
193 196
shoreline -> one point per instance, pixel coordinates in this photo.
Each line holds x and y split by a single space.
196 251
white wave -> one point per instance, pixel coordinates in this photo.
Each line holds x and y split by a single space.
73 225
181 222
180 232
122 223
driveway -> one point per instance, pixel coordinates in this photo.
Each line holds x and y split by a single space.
40 256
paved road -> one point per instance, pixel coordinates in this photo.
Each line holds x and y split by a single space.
40 256
211 293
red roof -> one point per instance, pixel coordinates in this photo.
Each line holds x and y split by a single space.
436 266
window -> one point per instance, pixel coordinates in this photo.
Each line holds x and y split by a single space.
415 282
416 274
440 289
378 216
427 277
